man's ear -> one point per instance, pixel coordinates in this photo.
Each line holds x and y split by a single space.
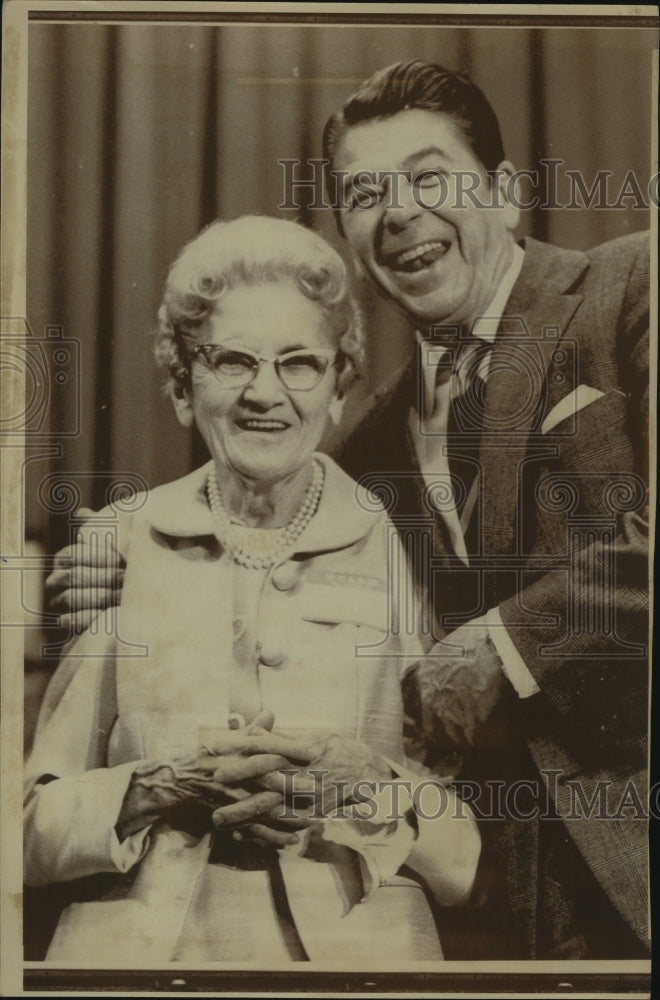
336 409
183 405
505 182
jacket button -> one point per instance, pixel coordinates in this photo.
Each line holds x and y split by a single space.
271 657
285 577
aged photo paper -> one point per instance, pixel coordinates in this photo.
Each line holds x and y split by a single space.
325 584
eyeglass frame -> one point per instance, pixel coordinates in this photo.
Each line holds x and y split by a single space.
327 354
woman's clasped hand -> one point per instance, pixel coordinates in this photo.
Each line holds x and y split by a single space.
255 781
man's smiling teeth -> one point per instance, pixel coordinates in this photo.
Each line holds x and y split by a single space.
420 256
263 425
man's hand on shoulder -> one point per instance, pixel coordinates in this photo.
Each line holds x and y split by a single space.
85 579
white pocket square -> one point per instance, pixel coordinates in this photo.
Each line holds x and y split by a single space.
569 406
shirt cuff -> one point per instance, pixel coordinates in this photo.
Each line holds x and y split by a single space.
447 848
513 665
382 840
70 827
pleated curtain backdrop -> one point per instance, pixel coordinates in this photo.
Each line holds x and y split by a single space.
140 134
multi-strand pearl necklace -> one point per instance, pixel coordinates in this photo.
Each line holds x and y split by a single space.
255 548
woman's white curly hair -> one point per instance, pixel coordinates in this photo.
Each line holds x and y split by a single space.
254 250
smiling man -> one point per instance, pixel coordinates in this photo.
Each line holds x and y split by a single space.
422 235
512 449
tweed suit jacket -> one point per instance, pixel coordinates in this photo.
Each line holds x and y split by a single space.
563 554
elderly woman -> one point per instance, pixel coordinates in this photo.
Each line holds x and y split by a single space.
256 592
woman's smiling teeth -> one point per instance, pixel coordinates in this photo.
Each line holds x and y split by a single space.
262 425
418 257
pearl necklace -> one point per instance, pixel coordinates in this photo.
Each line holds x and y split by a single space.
255 548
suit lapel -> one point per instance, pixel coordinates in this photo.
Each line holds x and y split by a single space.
535 319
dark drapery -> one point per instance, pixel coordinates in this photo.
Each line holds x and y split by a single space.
139 134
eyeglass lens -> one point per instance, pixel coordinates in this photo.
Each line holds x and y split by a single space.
297 370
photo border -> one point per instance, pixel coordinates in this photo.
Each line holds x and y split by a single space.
585 978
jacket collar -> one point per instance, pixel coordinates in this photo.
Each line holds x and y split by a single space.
346 511
547 271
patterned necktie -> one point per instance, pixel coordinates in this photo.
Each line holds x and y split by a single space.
445 430
469 385
464 426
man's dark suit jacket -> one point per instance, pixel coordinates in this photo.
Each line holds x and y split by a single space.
563 554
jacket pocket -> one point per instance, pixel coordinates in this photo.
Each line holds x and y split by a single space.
335 605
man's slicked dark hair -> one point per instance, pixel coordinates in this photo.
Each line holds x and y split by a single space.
428 87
